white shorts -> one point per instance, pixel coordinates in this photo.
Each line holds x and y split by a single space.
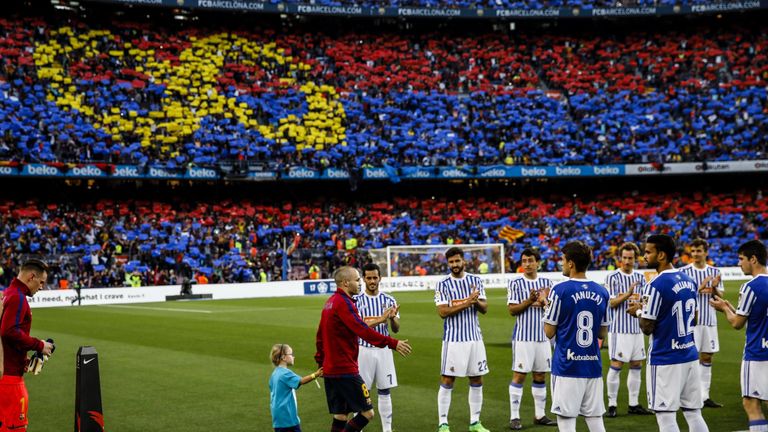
754 379
706 339
671 387
572 397
463 359
626 347
531 356
377 364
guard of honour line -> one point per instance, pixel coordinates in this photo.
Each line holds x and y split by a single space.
559 329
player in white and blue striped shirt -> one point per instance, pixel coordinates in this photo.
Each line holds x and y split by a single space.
459 297
626 342
752 311
710 283
380 311
531 351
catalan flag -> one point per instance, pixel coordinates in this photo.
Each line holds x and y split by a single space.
510 234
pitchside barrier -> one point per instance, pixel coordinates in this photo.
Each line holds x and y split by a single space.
103 296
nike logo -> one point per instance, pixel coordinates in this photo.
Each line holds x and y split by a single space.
89 360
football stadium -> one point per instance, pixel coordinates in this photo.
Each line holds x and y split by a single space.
203 202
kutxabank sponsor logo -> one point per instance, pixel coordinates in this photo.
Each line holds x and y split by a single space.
571 356
682 346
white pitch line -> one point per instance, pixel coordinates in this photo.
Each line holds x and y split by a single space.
160 309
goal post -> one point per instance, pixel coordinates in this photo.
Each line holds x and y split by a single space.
423 260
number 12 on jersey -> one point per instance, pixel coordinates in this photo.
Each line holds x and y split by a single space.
684 324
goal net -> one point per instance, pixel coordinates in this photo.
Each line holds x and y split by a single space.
423 260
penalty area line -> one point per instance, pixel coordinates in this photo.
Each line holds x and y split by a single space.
159 309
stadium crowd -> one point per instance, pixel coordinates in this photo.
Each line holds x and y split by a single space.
128 93
131 243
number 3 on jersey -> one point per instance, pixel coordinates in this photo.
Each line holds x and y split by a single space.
684 326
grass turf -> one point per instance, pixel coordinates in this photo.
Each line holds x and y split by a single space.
202 366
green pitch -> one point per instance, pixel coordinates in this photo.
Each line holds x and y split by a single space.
204 366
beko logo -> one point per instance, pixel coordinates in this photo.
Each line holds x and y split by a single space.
157 172
42 170
86 171
532 172
454 173
301 174
421 174
376 173
496 172
126 172
202 173
568 171
6 170
606 171
336 173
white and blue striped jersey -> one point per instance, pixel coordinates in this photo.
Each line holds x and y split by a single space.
465 325
753 304
528 325
672 304
371 308
707 314
618 283
578 308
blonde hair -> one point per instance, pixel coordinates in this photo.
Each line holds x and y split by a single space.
278 351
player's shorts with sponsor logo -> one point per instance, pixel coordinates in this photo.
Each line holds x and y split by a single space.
572 397
675 386
706 339
531 356
754 379
377 367
463 359
626 347
347 394
14 403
